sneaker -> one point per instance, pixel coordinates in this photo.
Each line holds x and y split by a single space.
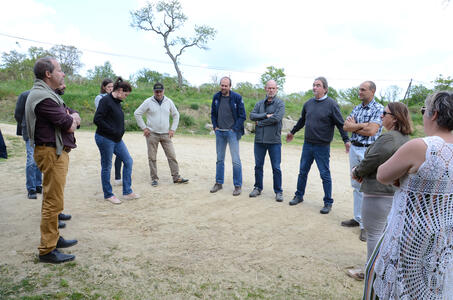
237 191
131 196
326 209
296 200
32 194
279 197
256 192
350 223
39 189
118 182
154 183
64 217
114 200
180 180
362 235
217 187
357 274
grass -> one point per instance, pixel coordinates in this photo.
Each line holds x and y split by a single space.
15 147
194 106
78 281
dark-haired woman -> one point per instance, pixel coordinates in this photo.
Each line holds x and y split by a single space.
378 197
107 88
109 119
414 258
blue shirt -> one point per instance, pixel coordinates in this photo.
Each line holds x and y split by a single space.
370 113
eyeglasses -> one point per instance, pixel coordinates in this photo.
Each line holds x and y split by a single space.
422 110
386 113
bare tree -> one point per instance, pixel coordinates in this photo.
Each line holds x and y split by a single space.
165 18
68 57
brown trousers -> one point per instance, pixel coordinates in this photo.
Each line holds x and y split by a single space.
152 142
54 168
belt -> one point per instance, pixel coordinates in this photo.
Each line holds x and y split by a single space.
357 144
53 145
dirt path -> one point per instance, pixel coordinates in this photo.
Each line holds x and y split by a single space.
185 235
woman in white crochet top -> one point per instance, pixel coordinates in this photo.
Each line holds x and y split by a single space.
414 258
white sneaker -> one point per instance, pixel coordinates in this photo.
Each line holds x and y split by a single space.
131 196
114 200
118 182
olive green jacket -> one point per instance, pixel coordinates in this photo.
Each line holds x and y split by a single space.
377 154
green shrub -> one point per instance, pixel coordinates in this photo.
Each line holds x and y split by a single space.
186 120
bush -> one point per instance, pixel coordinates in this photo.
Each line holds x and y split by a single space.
186 120
194 106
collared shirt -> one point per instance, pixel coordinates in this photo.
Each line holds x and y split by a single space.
370 113
322 98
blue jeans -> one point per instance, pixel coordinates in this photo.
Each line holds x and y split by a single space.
32 172
222 138
321 154
275 154
106 148
117 168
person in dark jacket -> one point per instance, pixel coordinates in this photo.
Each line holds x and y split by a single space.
33 176
109 119
3 151
319 115
50 126
268 115
227 116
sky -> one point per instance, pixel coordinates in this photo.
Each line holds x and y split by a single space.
389 42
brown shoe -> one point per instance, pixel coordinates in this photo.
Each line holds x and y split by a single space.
350 223
237 191
362 235
217 187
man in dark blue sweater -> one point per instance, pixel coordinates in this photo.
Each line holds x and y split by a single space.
319 115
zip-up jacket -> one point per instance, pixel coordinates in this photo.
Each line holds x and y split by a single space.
109 118
157 115
237 108
268 130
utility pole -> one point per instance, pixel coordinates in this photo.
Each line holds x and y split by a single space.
407 93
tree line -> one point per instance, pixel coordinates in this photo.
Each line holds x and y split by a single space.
19 66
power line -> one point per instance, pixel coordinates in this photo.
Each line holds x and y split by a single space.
128 56
189 65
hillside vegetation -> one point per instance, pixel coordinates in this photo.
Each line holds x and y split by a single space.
193 103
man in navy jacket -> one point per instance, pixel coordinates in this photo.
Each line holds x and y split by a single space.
228 116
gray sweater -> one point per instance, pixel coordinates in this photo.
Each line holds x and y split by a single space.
320 118
268 130
377 154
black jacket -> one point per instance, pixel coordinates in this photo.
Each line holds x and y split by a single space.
109 118
19 115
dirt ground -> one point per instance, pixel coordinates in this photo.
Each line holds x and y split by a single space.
182 242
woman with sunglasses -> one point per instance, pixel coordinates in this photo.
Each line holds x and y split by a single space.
414 258
377 197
